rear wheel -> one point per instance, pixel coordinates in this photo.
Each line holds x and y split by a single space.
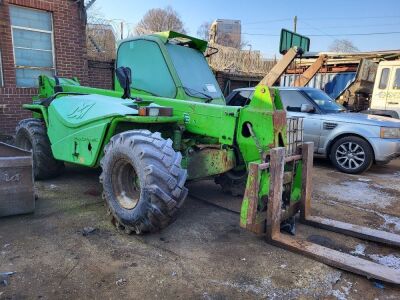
352 155
143 181
31 135
233 182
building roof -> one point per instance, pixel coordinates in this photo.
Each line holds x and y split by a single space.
335 58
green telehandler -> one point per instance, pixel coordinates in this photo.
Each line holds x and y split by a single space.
166 122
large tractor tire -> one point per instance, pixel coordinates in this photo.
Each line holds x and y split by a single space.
32 136
233 182
143 181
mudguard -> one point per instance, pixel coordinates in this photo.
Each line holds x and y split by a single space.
77 125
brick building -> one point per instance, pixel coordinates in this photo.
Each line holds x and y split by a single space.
40 37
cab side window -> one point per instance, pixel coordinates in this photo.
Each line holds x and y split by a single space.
241 98
396 82
384 78
150 72
292 100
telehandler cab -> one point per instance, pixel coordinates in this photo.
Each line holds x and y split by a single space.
166 122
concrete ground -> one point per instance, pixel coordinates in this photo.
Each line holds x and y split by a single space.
203 255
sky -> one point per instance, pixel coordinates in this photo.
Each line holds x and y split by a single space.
323 21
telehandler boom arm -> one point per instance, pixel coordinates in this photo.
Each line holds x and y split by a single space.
277 71
308 74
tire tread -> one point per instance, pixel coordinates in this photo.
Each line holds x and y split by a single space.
45 165
164 178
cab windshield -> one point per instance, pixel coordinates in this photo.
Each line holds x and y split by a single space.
193 71
324 102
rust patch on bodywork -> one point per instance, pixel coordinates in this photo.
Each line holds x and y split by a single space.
210 161
279 121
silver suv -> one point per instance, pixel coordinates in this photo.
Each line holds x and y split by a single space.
352 141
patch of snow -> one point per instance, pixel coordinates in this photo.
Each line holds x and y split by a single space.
392 223
265 288
359 250
364 179
256 288
390 175
357 192
390 260
343 292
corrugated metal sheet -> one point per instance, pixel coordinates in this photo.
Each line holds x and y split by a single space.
332 83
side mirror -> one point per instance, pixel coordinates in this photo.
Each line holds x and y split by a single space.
124 76
307 108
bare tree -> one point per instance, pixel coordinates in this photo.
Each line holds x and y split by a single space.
343 45
94 14
204 30
160 19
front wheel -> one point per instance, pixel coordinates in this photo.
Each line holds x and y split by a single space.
143 181
352 155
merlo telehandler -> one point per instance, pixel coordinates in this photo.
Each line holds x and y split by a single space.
166 122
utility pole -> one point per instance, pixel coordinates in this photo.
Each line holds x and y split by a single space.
295 23
122 30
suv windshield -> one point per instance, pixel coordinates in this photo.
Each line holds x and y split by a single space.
193 71
324 102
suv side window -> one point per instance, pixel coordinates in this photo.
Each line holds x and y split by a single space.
292 100
384 78
396 82
241 98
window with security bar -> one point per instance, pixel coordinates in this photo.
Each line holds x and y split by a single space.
32 36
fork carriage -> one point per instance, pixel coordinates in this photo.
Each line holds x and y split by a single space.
275 214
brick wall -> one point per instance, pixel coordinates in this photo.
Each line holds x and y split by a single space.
70 55
101 74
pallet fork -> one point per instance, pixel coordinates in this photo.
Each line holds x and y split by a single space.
274 215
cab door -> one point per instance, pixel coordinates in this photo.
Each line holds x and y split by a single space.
393 92
379 96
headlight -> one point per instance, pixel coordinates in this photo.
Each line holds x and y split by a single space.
390 133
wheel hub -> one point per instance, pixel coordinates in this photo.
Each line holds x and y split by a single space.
350 155
125 184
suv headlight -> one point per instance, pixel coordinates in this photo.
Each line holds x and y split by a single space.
390 133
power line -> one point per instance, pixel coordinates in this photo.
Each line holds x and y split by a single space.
338 34
344 26
318 29
359 26
351 18
321 18
267 21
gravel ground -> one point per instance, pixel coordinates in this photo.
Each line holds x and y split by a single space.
203 255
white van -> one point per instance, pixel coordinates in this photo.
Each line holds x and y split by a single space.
386 94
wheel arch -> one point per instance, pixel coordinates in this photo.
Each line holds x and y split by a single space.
39 111
342 135
122 124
